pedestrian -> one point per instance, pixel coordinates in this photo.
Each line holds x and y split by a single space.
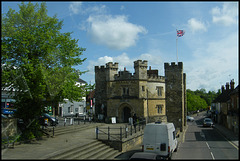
134 121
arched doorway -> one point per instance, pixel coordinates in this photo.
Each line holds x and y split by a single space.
126 114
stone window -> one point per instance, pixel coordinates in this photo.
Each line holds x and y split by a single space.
160 91
143 88
125 91
159 109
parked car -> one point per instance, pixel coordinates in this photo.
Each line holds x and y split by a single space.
189 118
8 111
207 122
144 156
52 120
4 117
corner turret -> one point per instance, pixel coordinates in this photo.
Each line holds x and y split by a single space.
140 69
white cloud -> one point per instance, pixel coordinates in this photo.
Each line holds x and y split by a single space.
227 15
196 25
75 7
213 63
114 32
79 8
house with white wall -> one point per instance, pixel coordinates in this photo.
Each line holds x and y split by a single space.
68 108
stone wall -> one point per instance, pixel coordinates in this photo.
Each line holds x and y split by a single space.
127 143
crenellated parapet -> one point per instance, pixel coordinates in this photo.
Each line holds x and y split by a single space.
110 65
140 63
155 78
123 75
99 68
173 65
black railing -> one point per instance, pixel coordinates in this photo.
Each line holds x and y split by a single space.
118 133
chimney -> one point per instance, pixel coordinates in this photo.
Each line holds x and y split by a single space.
124 68
227 86
150 68
232 84
222 88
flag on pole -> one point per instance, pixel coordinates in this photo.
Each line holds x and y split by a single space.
180 33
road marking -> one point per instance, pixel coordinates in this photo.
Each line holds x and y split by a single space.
210 151
207 145
233 144
212 156
227 139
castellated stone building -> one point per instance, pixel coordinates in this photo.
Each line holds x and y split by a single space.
121 94
176 99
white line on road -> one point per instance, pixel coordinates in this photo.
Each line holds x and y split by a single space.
207 145
210 151
212 156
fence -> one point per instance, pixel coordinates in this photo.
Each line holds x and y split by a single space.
118 133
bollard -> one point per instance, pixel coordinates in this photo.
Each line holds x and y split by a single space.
121 133
126 129
65 120
108 133
53 130
131 130
97 133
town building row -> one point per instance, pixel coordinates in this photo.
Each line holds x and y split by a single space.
225 108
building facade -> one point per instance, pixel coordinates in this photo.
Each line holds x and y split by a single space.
68 108
122 94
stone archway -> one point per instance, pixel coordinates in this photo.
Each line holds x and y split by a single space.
125 111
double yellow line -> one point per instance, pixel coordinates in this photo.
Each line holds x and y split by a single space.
228 140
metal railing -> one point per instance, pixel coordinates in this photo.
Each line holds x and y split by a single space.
118 133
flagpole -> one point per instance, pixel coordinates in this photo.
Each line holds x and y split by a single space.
177 48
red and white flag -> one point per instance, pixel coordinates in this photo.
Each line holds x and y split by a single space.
180 33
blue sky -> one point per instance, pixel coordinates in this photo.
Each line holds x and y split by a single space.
127 31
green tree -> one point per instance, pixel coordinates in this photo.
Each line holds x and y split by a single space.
200 99
194 101
37 62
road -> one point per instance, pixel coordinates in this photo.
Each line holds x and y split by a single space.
204 143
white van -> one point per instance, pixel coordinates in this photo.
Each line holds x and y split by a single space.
160 138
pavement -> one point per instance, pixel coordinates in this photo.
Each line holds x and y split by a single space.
41 149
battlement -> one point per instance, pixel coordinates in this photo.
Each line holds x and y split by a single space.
111 65
123 75
173 65
156 78
101 68
140 63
